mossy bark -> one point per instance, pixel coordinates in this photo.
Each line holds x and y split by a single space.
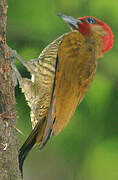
8 136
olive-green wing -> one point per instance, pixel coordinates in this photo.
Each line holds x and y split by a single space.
76 66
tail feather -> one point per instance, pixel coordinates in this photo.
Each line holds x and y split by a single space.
29 143
25 149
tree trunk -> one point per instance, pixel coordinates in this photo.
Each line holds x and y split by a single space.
8 136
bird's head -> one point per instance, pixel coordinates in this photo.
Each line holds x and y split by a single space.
87 25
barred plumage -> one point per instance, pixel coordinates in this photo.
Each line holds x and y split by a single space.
61 76
38 90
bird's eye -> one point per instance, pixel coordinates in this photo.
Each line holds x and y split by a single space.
91 20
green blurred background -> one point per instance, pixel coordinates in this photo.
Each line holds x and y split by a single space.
87 149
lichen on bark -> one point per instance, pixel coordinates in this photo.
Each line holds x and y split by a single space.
8 136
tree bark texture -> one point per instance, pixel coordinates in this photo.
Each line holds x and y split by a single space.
8 136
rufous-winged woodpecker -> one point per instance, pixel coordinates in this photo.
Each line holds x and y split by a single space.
61 76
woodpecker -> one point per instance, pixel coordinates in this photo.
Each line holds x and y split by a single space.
61 76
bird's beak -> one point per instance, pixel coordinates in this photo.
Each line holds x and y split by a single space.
72 22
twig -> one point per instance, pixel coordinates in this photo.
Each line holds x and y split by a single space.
19 130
